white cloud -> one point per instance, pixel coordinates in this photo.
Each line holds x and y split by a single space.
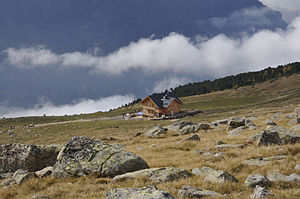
288 8
178 54
82 106
168 83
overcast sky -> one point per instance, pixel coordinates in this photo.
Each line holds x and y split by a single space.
67 57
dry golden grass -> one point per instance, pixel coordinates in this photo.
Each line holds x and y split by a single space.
168 152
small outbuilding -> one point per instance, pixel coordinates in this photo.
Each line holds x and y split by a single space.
157 105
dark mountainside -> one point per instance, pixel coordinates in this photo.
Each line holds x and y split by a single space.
235 81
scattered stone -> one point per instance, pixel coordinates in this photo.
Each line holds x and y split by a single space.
6 175
297 111
219 122
220 177
41 197
257 179
294 121
20 176
8 182
219 142
156 132
263 161
249 123
44 172
149 192
139 148
164 174
295 129
204 171
27 157
236 122
237 131
178 125
275 177
82 156
189 129
204 126
277 135
260 192
12 134
198 151
229 146
153 146
297 167
270 122
193 192
290 116
194 137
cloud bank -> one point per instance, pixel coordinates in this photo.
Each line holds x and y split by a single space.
82 106
168 83
288 8
217 56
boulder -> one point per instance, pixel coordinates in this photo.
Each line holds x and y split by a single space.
189 129
44 172
178 125
295 129
236 131
193 192
204 171
275 177
263 161
249 123
257 179
194 137
297 167
149 192
82 156
294 121
270 122
229 146
204 126
6 175
220 177
220 122
277 135
156 132
8 182
164 174
291 116
20 176
260 192
236 122
27 157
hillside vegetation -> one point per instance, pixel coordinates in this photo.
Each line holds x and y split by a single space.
273 99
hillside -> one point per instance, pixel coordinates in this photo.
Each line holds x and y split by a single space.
274 99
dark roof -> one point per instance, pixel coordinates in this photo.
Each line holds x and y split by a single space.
157 98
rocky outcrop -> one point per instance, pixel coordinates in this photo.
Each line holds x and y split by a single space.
237 131
164 174
27 157
257 179
149 192
220 177
44 172
20 176
156 132
260 192
295 129
236 122
277 135
263 161
83 156
193 192
194 137
270 122
178 125
189 129
229 146
204 171
275 176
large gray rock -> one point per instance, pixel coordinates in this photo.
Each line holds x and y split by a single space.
27 157
193 192
295 129
20 176
194 137
8 182
220 177
164 174
83 156
149 192
178 125
270 122
260 192
156 132
257 179
236 122
277 135
249 123
204 171
189 129
236 131
275 176
263 161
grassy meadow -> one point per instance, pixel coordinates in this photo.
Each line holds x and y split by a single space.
270 100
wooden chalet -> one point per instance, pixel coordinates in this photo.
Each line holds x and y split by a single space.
161 104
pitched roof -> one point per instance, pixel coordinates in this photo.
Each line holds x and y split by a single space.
164 100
